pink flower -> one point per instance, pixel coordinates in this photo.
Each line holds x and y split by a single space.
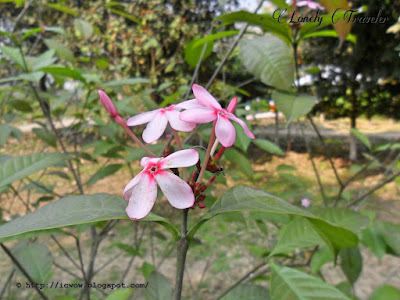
310 4
305 202
159 118
141 191
210 110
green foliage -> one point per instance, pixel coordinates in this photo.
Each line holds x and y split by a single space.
362 137
385 292
36 260
268 146
160 287
294 106
120 294
291 284
248 199
16 168
71 211
270 60
247 291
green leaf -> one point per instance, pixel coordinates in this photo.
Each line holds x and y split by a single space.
242 140
343 217
120 294
104 172
84 28
266 22
239 160
62 51
44 60
16 168
291 284
160 288
194 48
34 77
270 60
322 256
147 269
46 136
31 32
62 8
330 33
126 81
75 210
351 263
247 291
127 248
55 29
268 146
362 137
385 292
125 15
36 259
6 131
294 106
299 233
14 54
372 238
391 236
10 36
65 72
243 198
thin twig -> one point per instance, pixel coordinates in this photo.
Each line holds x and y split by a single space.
22 269
6 283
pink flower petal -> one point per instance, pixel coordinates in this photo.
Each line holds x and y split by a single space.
142 118
178 192
131 185
189 104
147 160
178 124
155 128
243 124
198 115
180 159
225 131
204 97
142 198
232 105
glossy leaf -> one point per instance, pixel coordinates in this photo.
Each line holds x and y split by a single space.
35 258
243 198
268 146
265 22
270 60
194 48
31 32
16 168
62 8
291 284
293 106
74 210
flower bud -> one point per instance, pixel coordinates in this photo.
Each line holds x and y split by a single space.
232 105
211 180
201 197
107 103
201 205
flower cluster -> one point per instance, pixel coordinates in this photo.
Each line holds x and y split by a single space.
141 191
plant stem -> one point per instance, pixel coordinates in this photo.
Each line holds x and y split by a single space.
135 138
207 156
182 248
